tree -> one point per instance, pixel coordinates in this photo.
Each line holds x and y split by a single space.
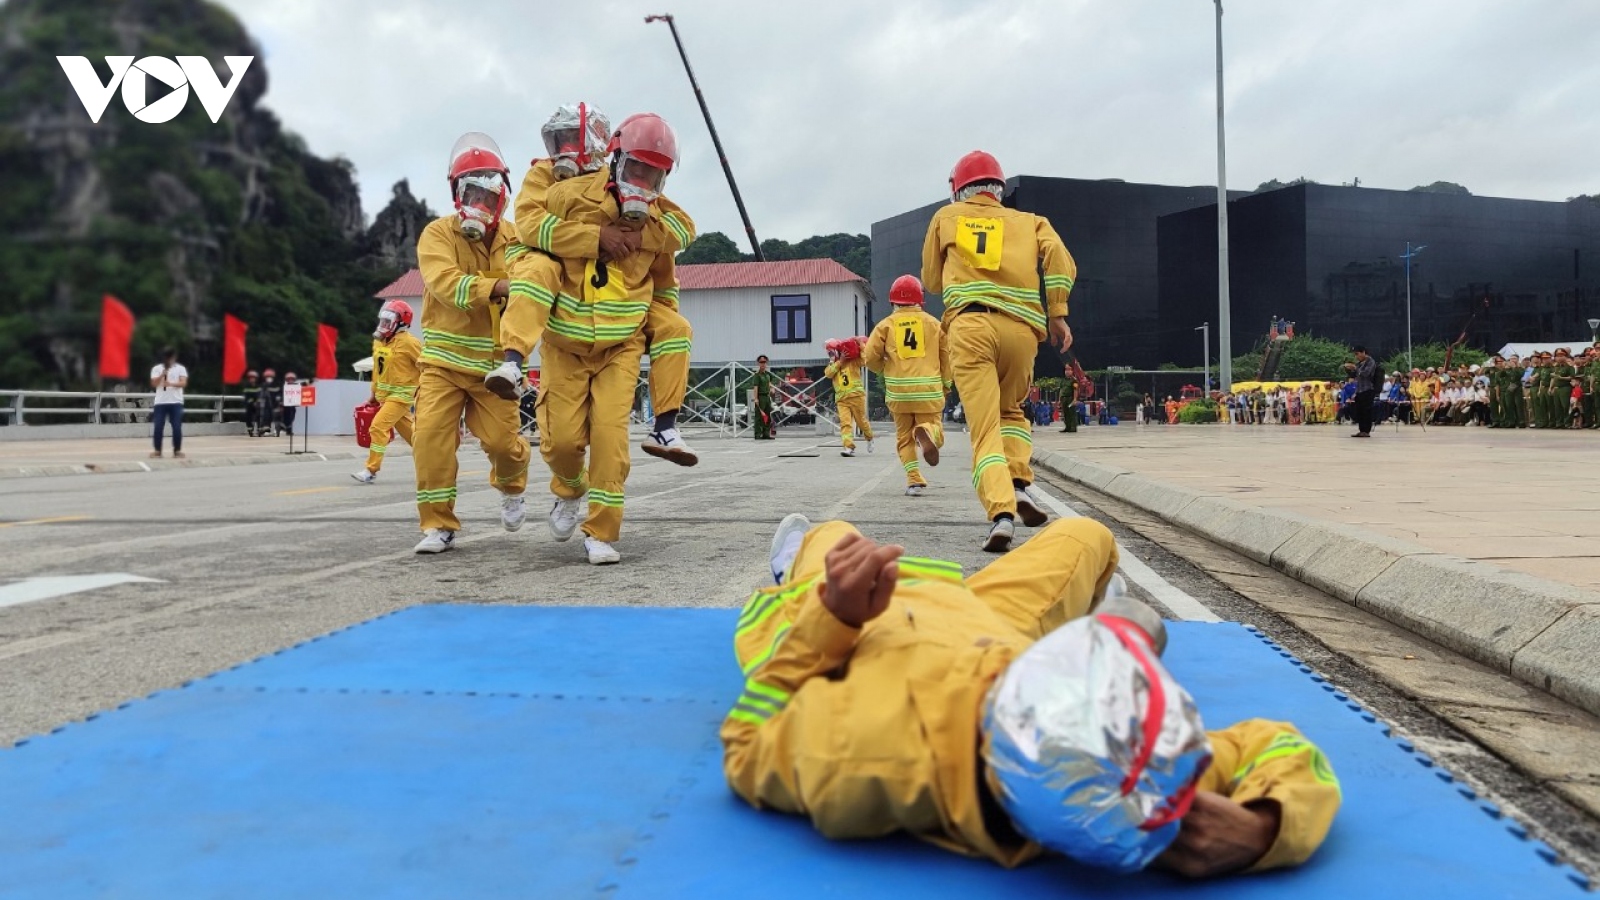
1426 355
713 247
1274 184
1305 358
1441 187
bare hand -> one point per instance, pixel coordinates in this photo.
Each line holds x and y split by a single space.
861 578
1219 836
617 242
1060 334
501 289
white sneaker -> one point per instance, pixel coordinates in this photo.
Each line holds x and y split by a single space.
869 445
511 511
670 446
786 544
1028 511
505 381
364 476
436 540
1000 535
848 451
564 517
914 490
600 552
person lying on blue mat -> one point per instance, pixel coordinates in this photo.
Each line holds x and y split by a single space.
1024 709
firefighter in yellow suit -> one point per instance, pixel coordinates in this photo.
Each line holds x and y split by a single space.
395 374
866 674
849 391
908 349
984 259
577 138
463 265
590 320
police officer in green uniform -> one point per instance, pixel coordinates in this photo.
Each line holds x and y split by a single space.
1591 381
763 381
1069 407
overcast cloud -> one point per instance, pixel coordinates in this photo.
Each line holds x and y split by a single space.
837 113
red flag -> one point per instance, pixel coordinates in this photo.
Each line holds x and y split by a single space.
233 364
327 343
116 333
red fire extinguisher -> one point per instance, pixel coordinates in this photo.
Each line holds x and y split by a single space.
365 413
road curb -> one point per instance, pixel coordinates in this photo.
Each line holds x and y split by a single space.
1541 632
163 465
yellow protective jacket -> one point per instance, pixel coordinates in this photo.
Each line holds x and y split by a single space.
908 348
395 372
875 730
541 230
846 375
460 324
597 305
978 251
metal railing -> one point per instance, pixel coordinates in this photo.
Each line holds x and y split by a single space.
105 407
720 411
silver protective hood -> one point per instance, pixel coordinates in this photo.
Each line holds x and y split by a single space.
1094 750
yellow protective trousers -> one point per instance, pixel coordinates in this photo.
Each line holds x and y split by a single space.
443 397
670 337
991 356
1045 583
520 321
853 414
394 414
584 402
906 426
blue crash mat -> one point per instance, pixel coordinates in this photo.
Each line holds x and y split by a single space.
471 751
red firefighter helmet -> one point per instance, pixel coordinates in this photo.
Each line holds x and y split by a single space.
268 373
476 152
647 137
392 316
906 291
973 168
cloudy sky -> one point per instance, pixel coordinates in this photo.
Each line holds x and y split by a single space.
837 113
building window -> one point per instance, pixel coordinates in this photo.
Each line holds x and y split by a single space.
791 318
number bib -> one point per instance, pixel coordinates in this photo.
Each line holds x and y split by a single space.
980 241
613 289
909 340
380 361
496 308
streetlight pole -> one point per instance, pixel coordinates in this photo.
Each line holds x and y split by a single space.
1409 255
1224 317
755 245
1594 331
1205 354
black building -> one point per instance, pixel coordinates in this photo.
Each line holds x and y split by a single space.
1331 259
1110 229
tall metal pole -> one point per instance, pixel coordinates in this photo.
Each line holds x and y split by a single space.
755 245
1205 354
1224 317
1410 363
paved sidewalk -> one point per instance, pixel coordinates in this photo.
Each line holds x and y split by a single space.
1522 500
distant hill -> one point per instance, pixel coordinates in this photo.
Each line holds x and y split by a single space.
184 220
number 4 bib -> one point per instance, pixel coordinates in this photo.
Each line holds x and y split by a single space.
980 241
909 340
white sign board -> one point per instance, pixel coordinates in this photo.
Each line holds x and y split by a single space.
291 395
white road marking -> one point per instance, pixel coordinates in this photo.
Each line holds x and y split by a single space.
29 590
1163 591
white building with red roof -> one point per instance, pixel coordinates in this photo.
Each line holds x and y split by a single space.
784 310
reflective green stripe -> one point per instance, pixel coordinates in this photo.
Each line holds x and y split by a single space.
669 294
514 250
762 604
618 309
448 359
1289 744
464 291
667 348
992 459
929 379
894 396
772 648
684 237
605 498
768 693
438 495
545 232
1020 302
1058 281
915 566
1016 432
535 292
397 391
380 449
749 718
509 477
580 483
432 336
910 466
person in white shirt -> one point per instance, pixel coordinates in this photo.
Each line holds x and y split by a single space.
169 378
